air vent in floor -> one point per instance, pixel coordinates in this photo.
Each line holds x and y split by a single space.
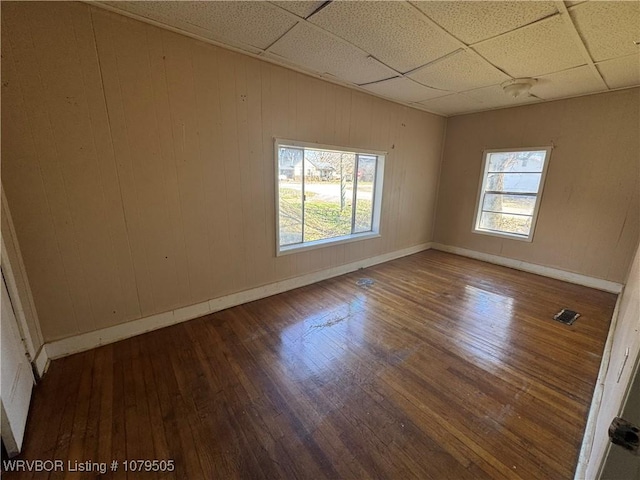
566 316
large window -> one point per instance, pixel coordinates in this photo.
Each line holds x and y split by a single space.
326 194
510 192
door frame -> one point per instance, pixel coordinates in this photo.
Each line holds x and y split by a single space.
15 277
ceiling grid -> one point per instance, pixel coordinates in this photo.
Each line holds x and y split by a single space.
446 57
564 12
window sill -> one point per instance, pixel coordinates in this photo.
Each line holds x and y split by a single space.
508 236
329 242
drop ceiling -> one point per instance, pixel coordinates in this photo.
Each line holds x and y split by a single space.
445 57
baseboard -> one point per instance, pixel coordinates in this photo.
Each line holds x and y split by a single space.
87 341
550 272
41 361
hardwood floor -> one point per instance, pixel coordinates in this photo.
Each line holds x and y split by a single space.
445 367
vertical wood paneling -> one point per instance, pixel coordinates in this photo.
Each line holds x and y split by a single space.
242 187
589 217
190 162
166 163
80 189
59 162
268 178
283 109
108 31
233 180
206 77
30 195
260 244
148 159
119 252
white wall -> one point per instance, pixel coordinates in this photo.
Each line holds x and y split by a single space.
618 374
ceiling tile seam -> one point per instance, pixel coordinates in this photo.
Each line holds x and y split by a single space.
400 74
448 92
433 62
573 31
522 27
471 48
332 35
427 19
545 75
526 25
461 44
321 7
600 62
432 88
263 56
377 81
268 47
466 49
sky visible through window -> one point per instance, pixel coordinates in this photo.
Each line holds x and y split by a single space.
324 194
510 191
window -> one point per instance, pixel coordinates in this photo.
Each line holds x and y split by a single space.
510 192
326 194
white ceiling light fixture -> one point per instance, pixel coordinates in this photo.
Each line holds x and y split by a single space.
518 86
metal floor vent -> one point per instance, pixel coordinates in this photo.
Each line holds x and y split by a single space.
566 316
365 282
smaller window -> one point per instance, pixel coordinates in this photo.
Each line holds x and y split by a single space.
510 192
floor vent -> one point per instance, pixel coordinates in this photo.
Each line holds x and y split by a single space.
365 282
566 316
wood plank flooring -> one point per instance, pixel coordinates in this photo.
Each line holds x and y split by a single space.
445 367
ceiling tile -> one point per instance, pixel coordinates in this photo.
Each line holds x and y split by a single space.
311 48
569 83
300 8
393 32
474 21
608 29
404 90
621 72
544 47
458 72
453 104
258 24
494 97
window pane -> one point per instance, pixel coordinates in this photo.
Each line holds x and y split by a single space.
513 182
290 193
506 223
364 193
329 194
522 204
517 161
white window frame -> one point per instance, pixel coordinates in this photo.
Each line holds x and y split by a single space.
353 237
483 183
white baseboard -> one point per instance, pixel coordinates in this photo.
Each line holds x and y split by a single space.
87 341
42 361
550 272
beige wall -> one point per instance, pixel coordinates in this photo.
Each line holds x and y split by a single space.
139 169
589 216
